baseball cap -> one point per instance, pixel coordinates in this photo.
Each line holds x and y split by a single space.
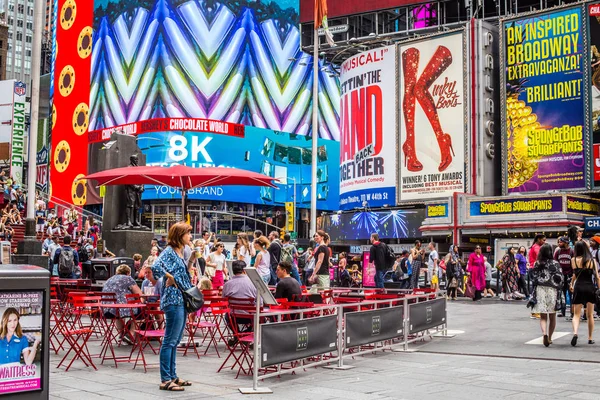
563 239
596 239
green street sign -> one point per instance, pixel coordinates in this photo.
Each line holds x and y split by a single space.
293 235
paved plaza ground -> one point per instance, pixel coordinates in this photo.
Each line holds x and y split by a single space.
497 353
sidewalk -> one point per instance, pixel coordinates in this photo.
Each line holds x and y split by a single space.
489 360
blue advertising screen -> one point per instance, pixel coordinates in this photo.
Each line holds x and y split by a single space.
281 155
389 224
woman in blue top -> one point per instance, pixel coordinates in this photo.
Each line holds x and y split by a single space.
12 341
521 258
171 265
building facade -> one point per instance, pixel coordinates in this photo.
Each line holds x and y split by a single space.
18 16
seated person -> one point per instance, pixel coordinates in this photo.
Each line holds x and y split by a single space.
6 232
287 286
239 287
151 286
121 284
54 228
15 215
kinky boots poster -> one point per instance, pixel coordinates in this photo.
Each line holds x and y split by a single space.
432 118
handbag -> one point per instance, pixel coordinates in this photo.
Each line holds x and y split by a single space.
193 299
470 289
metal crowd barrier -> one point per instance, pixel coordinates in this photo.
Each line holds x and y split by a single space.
328 332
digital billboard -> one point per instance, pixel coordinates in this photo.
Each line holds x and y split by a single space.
21 340
432 118
594 54
280 155
368 129
544 122
232 61
389 224
120 62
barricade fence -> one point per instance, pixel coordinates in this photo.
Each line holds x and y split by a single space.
327 334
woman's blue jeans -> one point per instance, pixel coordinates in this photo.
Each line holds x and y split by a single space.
175 317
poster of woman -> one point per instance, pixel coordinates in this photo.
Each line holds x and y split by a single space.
20 341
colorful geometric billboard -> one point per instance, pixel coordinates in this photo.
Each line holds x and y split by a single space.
121 61
368 129
232 61
544 122
432 118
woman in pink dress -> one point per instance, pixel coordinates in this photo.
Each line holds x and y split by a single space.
476 269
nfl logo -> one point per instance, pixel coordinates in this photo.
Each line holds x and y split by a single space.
20 89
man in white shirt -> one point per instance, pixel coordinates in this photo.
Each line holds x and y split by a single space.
51 252
432 263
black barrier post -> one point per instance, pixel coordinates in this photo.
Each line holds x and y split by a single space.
262 293
340 343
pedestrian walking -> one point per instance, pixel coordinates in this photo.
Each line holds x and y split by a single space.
476 271
521 258
583 288
453 275
417 255
322 256
510 275
378 258
547 280
563 255
433 267
171 266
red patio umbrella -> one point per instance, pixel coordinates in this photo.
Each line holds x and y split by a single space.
181 176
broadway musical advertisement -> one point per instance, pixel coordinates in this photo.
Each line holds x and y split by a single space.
544 117
20 340
432 123
594 26
368 129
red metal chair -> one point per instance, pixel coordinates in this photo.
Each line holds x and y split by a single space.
153 324
133 298
238 315
75 333
218 311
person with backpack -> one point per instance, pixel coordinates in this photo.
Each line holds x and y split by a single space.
379 257
275 253
67 260
289 253
401 270
86 253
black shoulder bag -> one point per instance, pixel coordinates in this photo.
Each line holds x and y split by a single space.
193 299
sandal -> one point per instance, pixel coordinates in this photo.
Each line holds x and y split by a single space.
180 382
171 387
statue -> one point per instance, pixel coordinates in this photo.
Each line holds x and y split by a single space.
133 198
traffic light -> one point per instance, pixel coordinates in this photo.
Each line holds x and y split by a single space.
281 234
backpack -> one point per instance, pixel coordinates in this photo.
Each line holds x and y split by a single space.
302 261
402 271
83 254
66 263
286 254
390 257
